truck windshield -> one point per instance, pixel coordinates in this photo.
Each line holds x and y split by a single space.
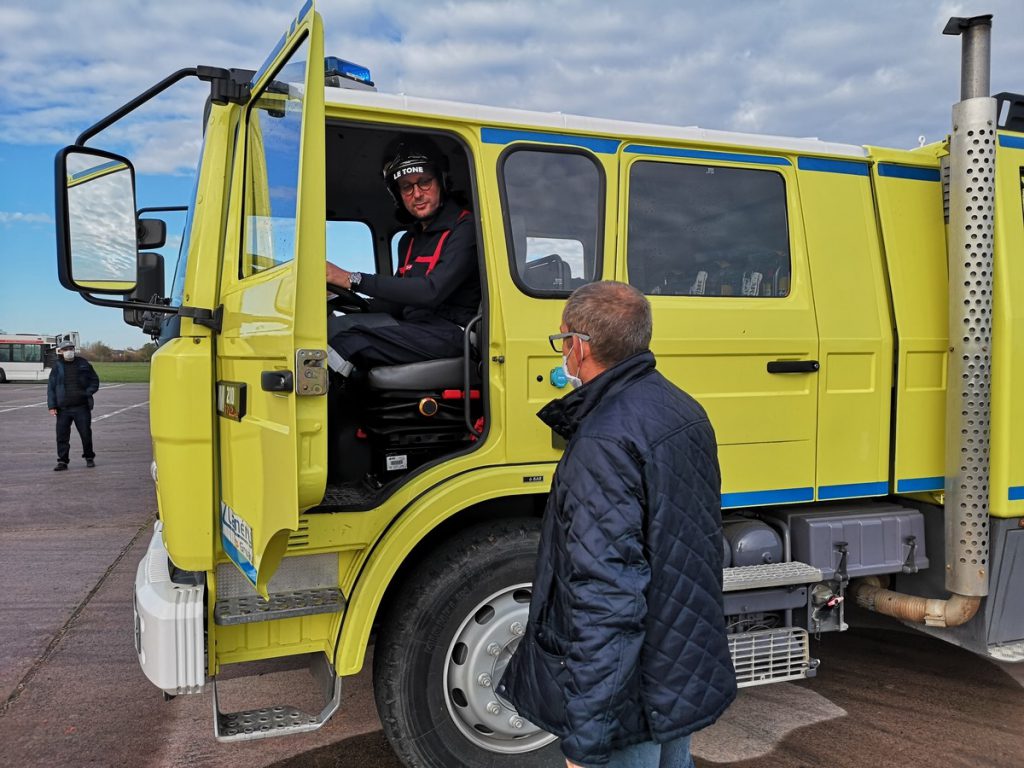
178 285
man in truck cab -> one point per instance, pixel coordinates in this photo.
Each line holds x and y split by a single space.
420 312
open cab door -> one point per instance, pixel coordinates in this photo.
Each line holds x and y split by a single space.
271 374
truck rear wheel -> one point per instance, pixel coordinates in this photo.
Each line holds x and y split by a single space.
444 645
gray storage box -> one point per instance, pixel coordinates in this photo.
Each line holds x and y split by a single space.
877 535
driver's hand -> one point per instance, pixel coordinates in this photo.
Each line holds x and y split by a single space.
338 276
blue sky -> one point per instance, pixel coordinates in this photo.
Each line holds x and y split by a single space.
870 72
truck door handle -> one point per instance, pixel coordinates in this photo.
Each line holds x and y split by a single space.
793 366
277 381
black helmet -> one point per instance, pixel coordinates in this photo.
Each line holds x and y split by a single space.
416 155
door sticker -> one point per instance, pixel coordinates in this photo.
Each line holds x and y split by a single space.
236 538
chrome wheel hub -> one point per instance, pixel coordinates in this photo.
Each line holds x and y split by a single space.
476 659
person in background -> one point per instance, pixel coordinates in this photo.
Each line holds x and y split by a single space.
625 653
73 382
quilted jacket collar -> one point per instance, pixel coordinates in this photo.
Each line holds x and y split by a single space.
565 414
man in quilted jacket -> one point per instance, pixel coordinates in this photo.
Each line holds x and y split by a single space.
625 653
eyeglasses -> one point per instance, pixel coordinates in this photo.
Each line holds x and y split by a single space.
424 183
557 338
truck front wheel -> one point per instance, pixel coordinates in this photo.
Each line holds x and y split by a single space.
444 645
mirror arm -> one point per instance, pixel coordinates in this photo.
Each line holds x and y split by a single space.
139 305
224 89
134 104
210 318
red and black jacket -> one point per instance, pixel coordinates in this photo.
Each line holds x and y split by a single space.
438 275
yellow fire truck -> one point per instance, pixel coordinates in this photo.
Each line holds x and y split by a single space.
847 315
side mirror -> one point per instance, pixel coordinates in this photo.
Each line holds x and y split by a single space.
149 290
96 228
152 233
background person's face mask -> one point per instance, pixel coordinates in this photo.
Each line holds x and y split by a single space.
69 355
575 381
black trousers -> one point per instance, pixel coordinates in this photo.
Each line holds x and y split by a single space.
375 339
82 418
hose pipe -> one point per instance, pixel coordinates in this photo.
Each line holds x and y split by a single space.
956 610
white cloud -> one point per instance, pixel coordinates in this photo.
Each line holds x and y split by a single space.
17 217
872 72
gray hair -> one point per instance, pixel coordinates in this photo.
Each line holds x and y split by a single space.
616 316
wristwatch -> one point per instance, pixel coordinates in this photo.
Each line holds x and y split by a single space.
355 278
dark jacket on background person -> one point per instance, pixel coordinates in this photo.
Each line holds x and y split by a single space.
626 639
438 274
56 391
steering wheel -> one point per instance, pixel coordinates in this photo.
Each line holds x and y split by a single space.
346 300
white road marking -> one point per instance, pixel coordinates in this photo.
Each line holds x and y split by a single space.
36 405
16 407
128 408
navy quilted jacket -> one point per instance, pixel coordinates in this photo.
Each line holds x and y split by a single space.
626 639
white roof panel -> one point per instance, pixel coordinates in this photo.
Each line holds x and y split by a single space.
638 132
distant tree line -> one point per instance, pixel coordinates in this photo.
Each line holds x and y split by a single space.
101 353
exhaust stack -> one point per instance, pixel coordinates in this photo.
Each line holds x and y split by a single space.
968 382
972 154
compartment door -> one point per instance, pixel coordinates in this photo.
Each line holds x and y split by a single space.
714 240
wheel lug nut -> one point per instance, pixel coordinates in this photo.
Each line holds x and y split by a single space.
515 722
484 680
494 708
494 649
516 628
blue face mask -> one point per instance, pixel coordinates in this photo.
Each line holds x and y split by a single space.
575 381
69 354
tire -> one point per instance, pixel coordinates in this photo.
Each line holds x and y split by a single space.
3 376
434 663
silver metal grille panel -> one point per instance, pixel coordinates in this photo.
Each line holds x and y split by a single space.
771 656
970 250
295 573
770 575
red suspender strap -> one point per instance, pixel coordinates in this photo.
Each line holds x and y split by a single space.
408 255
430 261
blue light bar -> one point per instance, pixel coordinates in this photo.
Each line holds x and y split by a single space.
333 66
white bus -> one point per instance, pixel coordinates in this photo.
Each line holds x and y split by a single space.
29 356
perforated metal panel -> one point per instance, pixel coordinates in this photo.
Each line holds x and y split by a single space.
970 241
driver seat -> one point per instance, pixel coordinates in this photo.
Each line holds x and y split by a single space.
446 373
416 412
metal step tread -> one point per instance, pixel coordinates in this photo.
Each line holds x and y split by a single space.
769 575
282 605
1011 652
263 721
278 720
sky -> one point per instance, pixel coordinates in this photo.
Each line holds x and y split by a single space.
868 72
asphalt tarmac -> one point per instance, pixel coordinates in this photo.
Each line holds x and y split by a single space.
71 691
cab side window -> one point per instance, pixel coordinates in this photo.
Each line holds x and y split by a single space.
273 138
701 230
351 243
553 204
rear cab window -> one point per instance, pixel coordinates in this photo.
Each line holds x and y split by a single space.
707 230
554 205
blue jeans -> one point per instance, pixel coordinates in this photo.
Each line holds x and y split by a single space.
648 754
